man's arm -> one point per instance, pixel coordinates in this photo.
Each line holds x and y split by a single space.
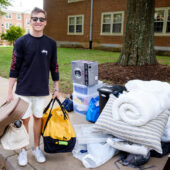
12 82
56 89
17 58
55 71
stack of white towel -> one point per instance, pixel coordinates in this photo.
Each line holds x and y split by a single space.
144 101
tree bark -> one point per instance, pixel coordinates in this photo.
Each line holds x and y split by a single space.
138 45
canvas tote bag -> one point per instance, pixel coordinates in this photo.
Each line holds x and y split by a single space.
10 112
15 138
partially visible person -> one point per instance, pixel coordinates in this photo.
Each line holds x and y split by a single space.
34 56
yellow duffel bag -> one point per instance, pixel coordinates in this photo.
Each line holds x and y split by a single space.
57 131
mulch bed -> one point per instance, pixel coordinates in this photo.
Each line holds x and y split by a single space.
121 74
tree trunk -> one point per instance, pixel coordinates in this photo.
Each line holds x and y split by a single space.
138 45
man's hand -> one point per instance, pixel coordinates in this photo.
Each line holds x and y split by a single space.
10 97
56 94
10 89
56 90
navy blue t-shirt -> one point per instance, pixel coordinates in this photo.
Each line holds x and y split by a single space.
32 59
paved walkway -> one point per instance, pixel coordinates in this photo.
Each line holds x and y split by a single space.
60 161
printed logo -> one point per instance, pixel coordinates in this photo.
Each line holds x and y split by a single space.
13 60
44 52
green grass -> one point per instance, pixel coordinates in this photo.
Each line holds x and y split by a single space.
65 57
164 60
5 61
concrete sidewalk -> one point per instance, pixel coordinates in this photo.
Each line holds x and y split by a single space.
59 161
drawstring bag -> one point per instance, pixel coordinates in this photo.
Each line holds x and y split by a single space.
93 110
58 134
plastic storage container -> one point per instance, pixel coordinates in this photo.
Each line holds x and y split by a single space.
86 90
81 102
80 108
83 99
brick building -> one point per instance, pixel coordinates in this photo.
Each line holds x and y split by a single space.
75 23
16 18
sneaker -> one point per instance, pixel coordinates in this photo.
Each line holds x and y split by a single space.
39 156
22 158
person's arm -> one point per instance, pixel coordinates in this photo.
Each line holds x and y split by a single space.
56 89
12 82
54 71
17 57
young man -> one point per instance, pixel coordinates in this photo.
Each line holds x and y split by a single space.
34 55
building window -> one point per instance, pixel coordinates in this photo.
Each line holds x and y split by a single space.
8 15
18 24
18 16
2 28
28 31
27 21
8 25
69 1
168 22
112 23
159 21
75 24
162 21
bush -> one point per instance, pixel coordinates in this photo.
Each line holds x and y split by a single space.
12 34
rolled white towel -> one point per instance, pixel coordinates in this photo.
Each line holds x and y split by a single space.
154 86
138 107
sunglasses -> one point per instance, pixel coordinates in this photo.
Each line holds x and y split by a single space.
35 19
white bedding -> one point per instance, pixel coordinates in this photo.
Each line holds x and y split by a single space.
139 107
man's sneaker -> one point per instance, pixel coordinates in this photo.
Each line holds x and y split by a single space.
22 158
39 156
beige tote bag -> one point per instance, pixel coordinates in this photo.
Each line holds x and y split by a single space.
15 138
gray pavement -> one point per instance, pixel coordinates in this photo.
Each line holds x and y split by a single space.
59 161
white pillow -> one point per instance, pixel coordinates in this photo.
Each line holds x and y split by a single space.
148 135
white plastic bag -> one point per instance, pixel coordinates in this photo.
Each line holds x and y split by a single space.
85 134
98 154
91 147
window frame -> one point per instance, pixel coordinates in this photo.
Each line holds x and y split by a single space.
72 1
27 21
27 30
18 15
8 15
9 25
112 33
163 33
75 33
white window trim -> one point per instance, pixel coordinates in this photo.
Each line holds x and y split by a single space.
8 14
111 34
9 25
71 1
166 9
6 25
75 33
20 16
27 20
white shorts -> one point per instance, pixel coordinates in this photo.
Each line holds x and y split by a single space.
36 105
